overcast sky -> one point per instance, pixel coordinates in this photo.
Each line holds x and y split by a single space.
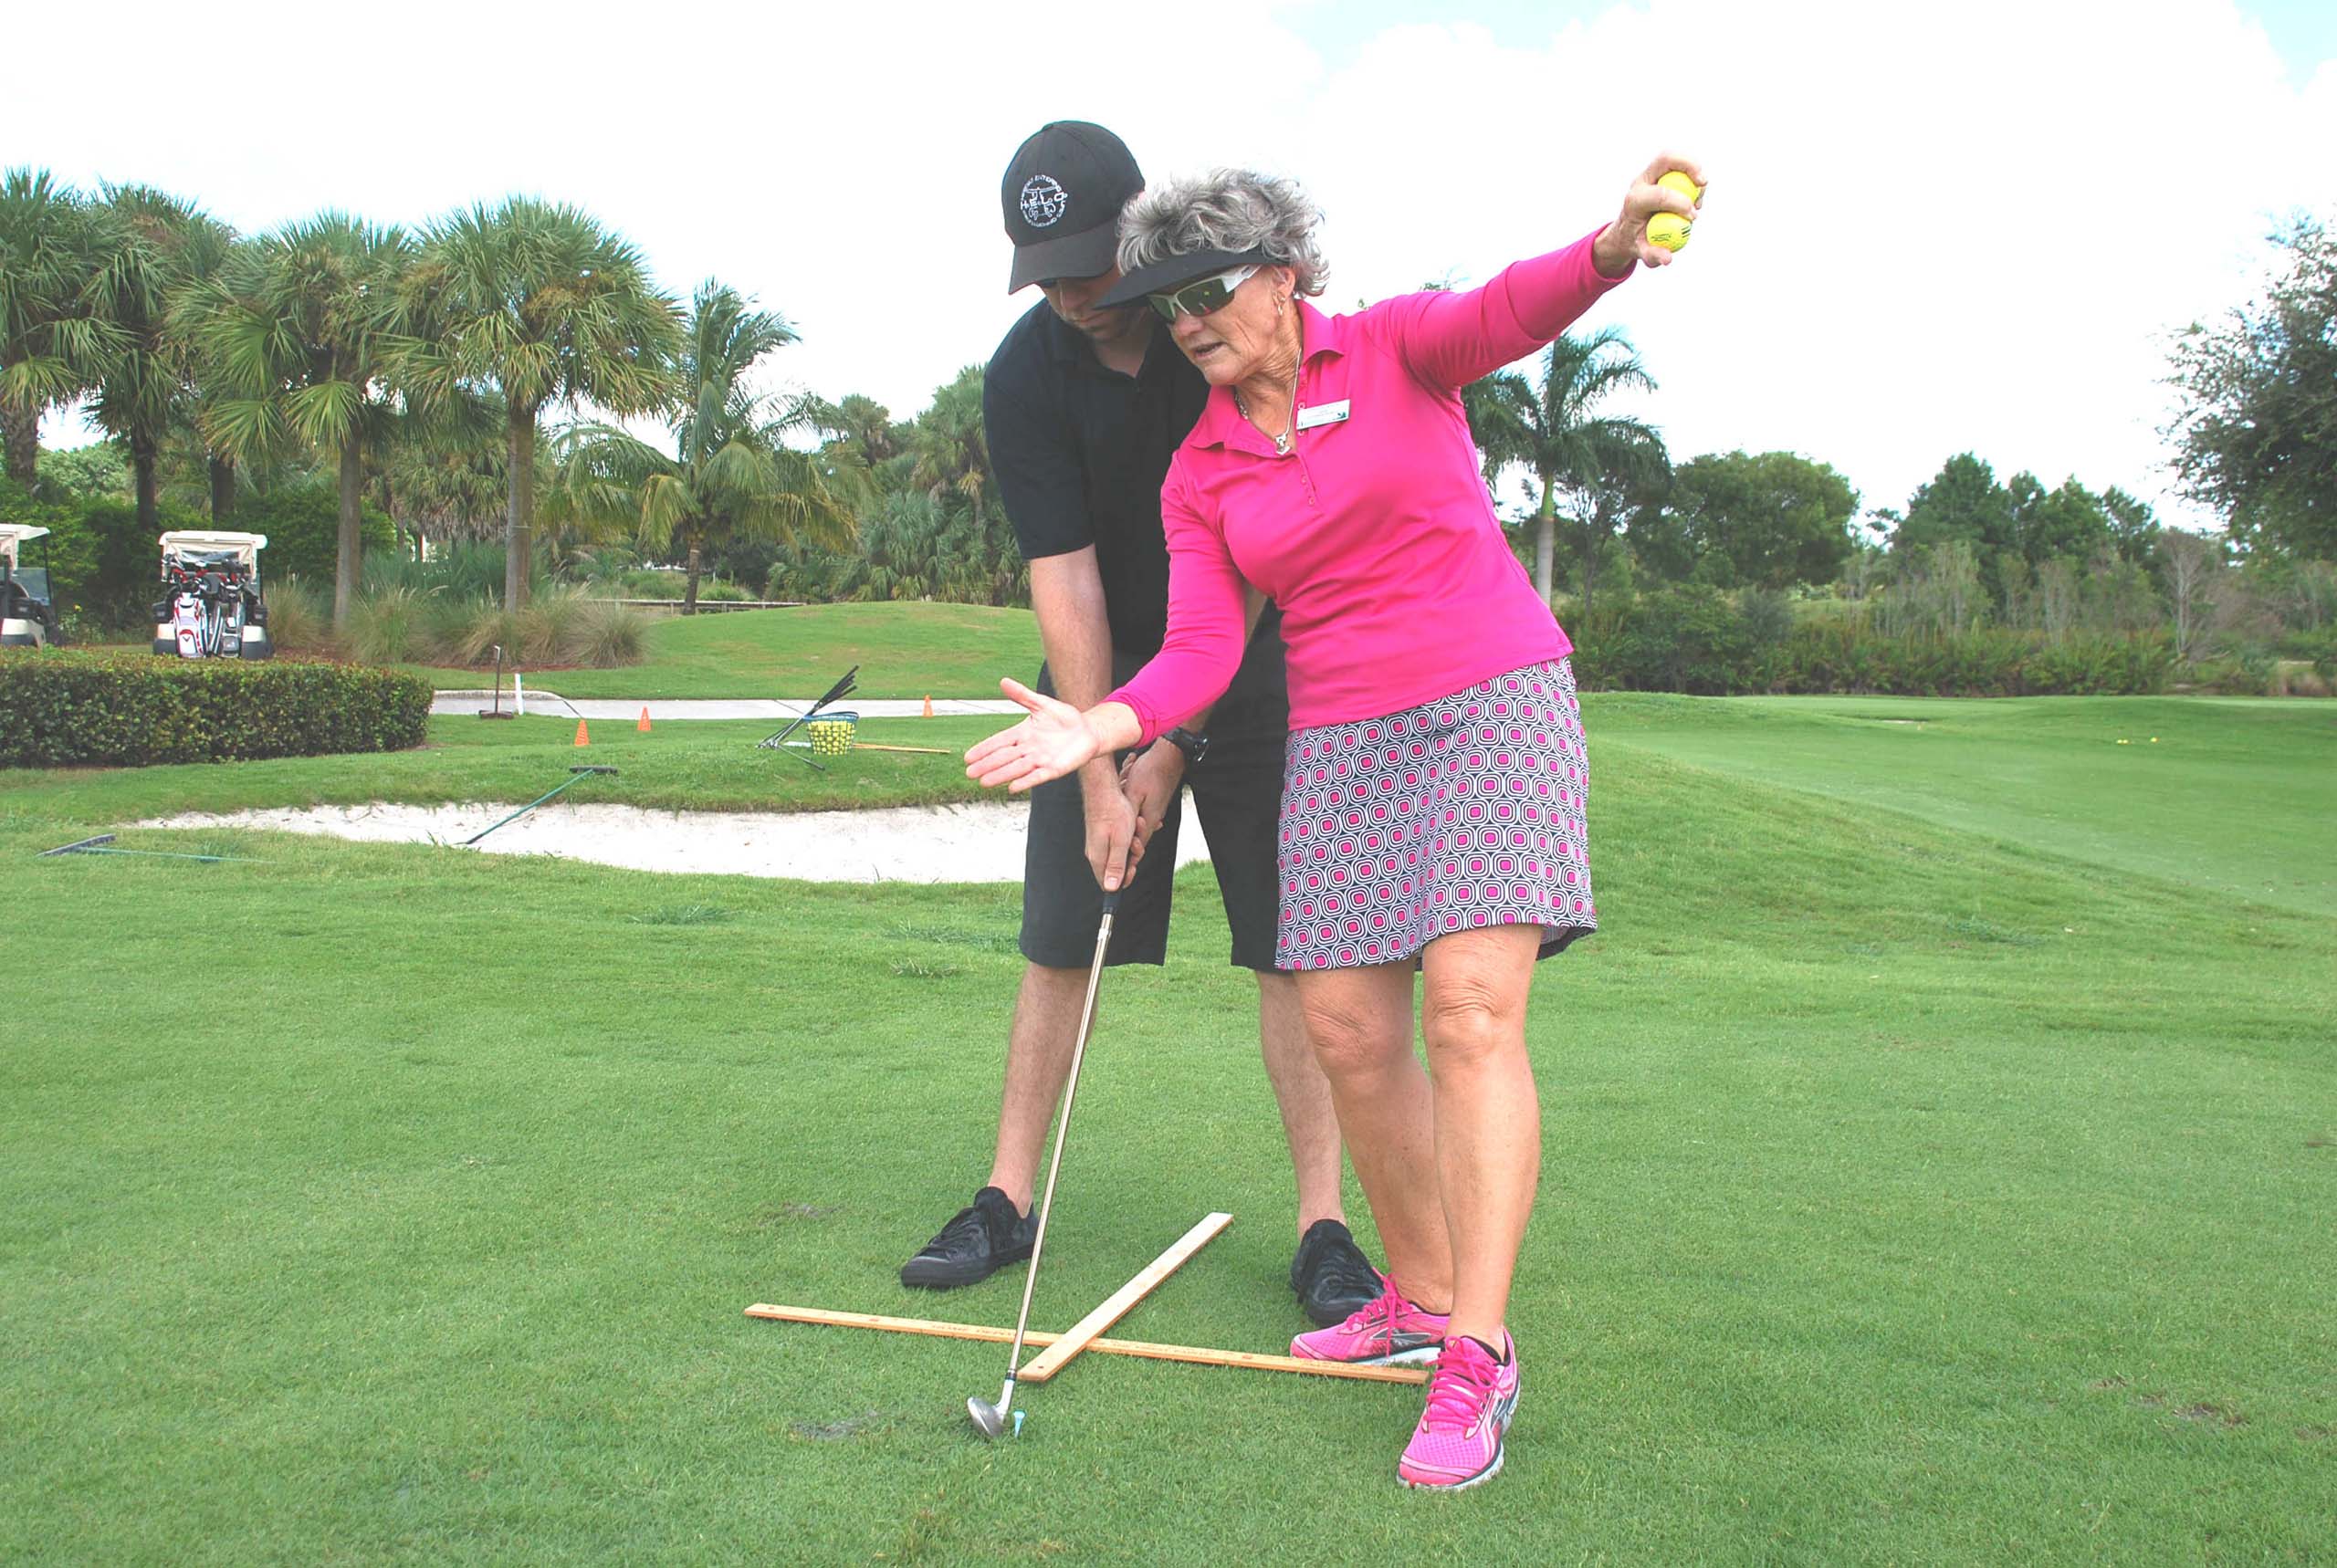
1931 229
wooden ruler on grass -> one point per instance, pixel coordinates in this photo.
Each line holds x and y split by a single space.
1058 1349
1114 1307
1196 1355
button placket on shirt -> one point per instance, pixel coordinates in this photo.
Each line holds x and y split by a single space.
1298 441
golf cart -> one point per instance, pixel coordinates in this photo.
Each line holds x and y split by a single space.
210 606
27 615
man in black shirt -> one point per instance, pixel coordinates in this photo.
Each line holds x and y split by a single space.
1082 409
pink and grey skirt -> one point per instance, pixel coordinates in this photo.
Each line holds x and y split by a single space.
1457 814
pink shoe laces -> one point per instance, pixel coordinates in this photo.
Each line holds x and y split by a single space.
1461 1387
1378 1312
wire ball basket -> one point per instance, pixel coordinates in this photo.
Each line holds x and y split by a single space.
832 734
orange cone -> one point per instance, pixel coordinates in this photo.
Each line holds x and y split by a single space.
928 707
643 725
582 738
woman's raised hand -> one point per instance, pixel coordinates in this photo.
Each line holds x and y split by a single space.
1055 740
1625 240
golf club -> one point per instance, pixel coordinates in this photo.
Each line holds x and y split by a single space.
990 1419
575 775
842 688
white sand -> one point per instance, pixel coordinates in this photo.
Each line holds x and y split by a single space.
910 843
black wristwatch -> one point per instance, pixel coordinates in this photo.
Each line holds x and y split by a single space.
1194 747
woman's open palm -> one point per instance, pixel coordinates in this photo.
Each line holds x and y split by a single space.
1053 741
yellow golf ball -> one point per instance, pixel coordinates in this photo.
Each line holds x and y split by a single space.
1669 230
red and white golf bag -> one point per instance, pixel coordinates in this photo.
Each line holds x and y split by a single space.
187 622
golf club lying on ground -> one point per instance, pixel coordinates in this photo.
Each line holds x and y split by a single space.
92 847
576 776
990 1419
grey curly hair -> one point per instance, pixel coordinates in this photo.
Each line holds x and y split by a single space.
1226 209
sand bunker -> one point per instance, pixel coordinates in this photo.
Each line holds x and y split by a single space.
908 843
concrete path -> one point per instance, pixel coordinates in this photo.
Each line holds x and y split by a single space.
779 712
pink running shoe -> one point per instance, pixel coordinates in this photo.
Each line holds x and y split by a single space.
1470 1399
1390 1330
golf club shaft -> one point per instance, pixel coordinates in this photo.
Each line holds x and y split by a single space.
521 811
582 774
1063 1133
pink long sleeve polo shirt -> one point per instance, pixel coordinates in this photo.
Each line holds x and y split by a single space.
1375 535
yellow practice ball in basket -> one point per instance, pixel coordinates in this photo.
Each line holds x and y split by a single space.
831 738
1669 230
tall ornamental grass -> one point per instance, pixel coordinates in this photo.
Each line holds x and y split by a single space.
401 625
299 619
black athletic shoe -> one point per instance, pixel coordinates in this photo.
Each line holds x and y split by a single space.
986 1236
1331 1275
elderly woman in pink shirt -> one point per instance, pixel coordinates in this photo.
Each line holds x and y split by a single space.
1433 811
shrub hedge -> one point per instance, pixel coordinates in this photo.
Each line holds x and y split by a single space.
60 708
303 523
1989 662
1694 640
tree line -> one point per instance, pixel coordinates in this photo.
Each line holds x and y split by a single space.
418 374
466 380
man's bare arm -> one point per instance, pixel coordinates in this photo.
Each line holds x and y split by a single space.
1067 595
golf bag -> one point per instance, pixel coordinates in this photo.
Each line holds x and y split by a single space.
207 608
210 606
187 624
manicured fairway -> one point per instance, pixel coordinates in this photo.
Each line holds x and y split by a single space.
1918 1187
902 651
2228 795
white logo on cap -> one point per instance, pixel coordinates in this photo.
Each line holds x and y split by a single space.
1043 201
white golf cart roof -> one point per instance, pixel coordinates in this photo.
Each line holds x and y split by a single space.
246 546
14 534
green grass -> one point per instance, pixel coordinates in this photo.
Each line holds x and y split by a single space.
1913 1191
902 651
2227 795
681 764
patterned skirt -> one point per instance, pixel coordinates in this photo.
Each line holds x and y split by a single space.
1460 814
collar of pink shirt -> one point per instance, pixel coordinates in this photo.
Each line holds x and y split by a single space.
1222 425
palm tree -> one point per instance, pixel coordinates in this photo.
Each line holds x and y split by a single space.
442 477
735 477
859 429
947 443
149 245
50 347
1634 478
535 302
1554 430
293 330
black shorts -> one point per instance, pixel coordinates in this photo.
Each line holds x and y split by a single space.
1237 788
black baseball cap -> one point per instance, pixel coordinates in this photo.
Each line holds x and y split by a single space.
1062 195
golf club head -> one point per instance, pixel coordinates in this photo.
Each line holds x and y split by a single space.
989 1420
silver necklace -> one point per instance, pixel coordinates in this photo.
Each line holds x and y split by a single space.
1282 441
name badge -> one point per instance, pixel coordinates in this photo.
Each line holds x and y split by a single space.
1323 414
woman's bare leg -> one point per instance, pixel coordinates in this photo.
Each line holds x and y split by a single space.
1360 1022
1488 1121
